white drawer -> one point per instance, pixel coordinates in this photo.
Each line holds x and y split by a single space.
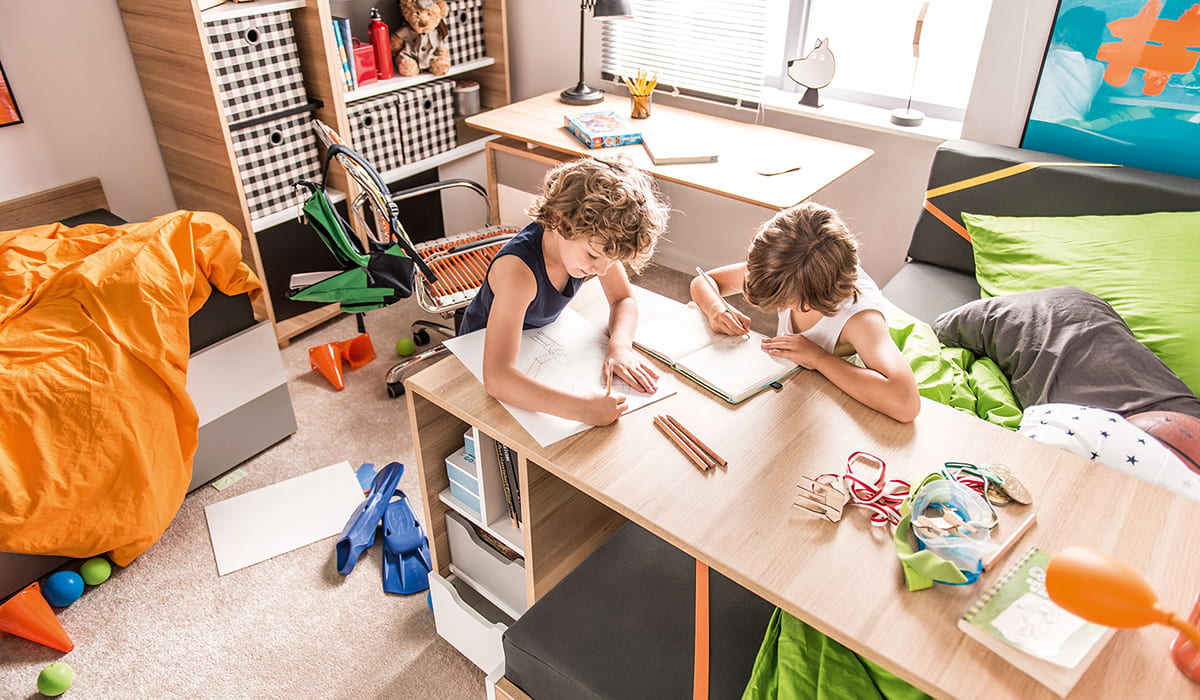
469 622
494 575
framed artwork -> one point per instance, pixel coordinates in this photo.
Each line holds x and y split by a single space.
1120 83
9 114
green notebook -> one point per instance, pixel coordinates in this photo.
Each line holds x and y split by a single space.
1016 619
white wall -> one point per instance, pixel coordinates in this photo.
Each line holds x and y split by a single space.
70 68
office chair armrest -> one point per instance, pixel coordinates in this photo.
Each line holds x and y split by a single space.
445 185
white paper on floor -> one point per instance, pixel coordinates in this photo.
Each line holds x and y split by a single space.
258 525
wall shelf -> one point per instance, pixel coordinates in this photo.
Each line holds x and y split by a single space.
391 85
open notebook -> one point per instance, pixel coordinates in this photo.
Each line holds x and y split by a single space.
730 366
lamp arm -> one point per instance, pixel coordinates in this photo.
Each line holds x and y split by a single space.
584 6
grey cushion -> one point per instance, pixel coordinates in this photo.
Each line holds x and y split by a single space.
925 290
1065 345
621 626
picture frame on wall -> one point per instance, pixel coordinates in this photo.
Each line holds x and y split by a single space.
9 112
1120 83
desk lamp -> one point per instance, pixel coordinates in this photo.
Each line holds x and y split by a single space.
1105 590
582 93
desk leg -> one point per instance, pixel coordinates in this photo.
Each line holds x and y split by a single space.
493 183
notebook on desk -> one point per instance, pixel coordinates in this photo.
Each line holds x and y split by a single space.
730 366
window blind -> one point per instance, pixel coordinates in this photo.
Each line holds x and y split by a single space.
709 48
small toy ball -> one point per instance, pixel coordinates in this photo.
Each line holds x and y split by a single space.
1180 433
55 679
405 347
62 588
95 571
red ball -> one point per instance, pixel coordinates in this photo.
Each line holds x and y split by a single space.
1178 431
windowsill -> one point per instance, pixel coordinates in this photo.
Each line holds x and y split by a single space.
859 115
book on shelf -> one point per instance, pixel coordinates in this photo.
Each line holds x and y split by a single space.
1016 619
508 478
732 367
602 129
667 148
344 40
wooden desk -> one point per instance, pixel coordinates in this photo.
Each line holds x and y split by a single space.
744 149
842 579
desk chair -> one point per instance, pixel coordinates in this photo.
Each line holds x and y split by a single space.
449 270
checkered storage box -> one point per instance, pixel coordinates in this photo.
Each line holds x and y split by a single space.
465 23
426 120
375 131
271 157
256 64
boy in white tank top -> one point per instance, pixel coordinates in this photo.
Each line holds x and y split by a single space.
803 264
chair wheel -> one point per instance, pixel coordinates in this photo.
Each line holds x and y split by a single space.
395 390
421 337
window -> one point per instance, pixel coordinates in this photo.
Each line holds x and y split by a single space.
730 51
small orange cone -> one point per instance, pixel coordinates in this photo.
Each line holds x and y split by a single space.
28 615
327 359
358 351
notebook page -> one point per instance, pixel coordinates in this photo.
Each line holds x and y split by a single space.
736 366
675 335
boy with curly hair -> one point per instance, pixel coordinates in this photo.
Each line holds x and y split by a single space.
591 218
803 264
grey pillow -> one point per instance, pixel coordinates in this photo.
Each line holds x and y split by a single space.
1065 345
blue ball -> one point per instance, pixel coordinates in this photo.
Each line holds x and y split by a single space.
62 588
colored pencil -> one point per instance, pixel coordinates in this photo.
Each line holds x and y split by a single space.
1008 544
712 455
717 290
608 372
681 443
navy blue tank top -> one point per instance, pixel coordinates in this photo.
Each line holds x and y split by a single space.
545 307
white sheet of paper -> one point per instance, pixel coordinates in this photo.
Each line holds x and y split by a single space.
266 522
568 354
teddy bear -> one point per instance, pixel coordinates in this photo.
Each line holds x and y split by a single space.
420 44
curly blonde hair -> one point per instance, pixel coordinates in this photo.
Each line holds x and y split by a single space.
804 256
612 204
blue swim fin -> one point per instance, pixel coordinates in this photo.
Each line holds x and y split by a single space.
359 532
406 562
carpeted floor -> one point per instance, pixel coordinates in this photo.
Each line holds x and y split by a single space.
168 626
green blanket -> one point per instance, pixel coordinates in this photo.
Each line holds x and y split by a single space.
797 662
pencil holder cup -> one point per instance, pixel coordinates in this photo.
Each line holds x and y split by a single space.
639 105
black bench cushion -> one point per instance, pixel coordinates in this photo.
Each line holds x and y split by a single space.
622 626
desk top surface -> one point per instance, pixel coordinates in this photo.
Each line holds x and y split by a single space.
744 149
845 579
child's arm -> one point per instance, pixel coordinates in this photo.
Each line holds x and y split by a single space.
886 384
515 288
721 319
628 364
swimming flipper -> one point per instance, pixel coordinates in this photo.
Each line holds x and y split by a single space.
406 562
359 532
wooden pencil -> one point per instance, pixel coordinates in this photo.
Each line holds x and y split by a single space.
608 372
682 444
718 459
1008 544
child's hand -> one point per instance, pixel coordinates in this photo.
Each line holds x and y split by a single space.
601 408
728 321
629 365
795 348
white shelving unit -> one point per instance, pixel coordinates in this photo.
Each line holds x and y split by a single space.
393 84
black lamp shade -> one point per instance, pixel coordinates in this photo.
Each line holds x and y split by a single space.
612 8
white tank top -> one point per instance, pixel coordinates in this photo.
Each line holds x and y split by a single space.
826 331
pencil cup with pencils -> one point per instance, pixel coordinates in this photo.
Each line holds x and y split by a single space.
641 89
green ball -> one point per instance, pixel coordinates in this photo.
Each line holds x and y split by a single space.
406 347
55 679
95 571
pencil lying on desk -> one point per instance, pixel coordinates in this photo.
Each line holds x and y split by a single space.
1017 534
682 443
705 449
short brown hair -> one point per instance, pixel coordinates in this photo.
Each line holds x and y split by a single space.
803 256
612 203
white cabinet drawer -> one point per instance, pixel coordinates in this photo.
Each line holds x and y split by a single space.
494 575
469 622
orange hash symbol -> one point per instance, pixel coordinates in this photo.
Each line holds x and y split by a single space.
1160 46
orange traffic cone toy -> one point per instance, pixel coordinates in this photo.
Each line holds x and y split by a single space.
28 615
327 358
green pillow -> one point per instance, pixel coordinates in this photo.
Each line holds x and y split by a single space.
1146 266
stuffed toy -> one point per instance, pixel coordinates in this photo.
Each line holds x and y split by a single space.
420 44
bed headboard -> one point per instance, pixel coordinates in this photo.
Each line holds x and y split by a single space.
53 205
1006 181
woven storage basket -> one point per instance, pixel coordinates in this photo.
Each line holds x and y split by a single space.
375 131
271 157
465 38
256 64
426 120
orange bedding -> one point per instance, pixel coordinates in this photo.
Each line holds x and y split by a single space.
98 433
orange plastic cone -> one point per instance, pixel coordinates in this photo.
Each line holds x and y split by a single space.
327 359
358 351
28 615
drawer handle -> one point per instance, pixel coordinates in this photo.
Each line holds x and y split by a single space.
368 121
276 137
427 105
462 17
251 35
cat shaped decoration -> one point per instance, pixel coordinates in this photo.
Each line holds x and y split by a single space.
814 71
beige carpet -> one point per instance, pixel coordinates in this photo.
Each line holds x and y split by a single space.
290 627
